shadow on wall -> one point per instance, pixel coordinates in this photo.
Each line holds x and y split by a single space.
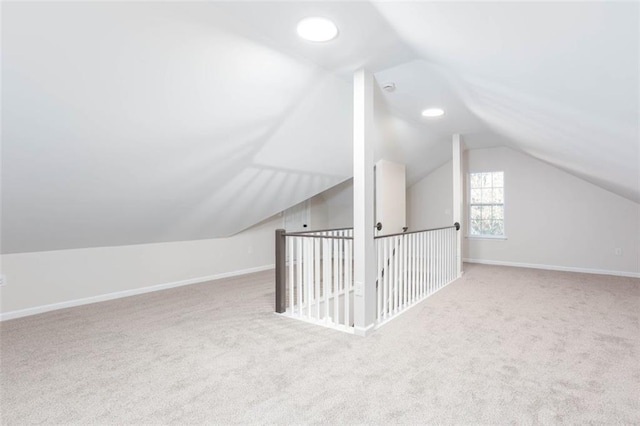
198 140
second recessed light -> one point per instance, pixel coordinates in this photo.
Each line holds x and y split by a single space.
433 112
317 29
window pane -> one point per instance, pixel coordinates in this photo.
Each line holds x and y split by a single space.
498 196
475 180
486 209
497 227
498 212
475 228
498 179
486 212
476 196
476 212
487 196
486 180
486 227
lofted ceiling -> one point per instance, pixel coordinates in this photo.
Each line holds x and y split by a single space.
127 123
557 80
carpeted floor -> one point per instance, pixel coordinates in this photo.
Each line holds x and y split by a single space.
501 345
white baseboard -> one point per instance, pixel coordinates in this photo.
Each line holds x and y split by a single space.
555 268
126 293
364 331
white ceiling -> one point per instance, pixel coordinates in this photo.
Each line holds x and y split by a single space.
142 122
559 81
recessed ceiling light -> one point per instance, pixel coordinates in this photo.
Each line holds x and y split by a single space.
432 112
317 29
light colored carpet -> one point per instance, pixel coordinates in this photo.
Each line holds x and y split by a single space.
501 345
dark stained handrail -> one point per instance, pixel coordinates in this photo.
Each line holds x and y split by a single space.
455 225
305 235
321 230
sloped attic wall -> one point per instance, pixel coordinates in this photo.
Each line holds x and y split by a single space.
552 219
128 123
557 80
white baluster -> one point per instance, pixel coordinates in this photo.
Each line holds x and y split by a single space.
396 279
450 242
291 248
412 268
308 263
336 283
419 277
422 259
437 253
379 282
385 286
419 265
316 284
440 259
449 255
326 268
299 273
404 270
429 263
347 281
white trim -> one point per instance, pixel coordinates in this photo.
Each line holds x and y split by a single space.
486 237
504 209
364 331
126 293
555 268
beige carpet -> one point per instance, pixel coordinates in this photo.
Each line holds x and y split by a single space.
501 345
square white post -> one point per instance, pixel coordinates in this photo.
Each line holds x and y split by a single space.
363 244
458 198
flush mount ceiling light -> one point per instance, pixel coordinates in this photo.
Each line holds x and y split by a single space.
317 29
433 112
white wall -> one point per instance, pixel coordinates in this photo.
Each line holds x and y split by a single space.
198 140
333 208
391 193
556 219
46 280
37 279
430 200
553 219
318 213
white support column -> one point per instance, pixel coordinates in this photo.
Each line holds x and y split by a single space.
458 198
363 243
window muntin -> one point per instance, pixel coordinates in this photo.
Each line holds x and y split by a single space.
486 204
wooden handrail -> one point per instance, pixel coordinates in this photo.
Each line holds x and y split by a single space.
305 235
320 230
455 225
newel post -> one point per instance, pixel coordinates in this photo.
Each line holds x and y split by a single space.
281 268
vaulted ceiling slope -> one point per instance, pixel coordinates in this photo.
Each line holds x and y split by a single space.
140 122
557 80
128 123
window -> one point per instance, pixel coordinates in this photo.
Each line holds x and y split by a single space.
486 204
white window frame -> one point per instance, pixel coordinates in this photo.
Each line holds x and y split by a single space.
504 209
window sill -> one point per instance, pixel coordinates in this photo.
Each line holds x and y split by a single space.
485 237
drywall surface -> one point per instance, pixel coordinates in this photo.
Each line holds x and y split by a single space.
430 200
317 213
56 277
562 86
391 192
338 205
556 219
199 140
